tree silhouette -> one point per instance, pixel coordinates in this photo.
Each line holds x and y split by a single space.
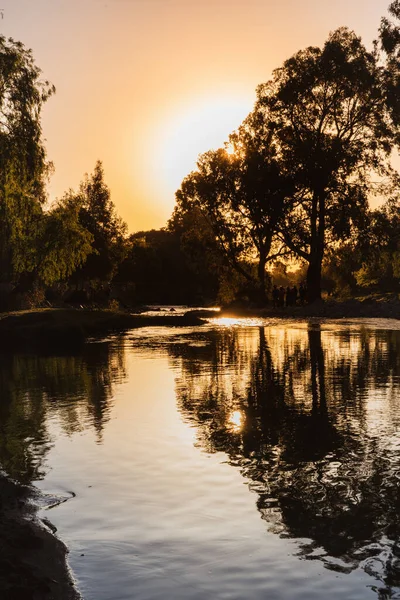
98 216
243 196
329 109
389 35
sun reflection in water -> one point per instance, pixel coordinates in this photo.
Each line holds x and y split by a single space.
235 421
236 321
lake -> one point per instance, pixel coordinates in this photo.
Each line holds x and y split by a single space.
242 460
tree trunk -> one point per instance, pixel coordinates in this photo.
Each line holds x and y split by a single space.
261 277
314 279
317 361
314 270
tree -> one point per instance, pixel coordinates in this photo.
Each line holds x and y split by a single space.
200 250
379 247
157 270
243 195
98 216
328 108
389 34
23 165
63 244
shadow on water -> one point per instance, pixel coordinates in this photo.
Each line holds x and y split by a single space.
311 419
75 390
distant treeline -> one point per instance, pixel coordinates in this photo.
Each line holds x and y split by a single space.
286 200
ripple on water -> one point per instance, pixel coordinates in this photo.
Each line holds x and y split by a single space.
250 461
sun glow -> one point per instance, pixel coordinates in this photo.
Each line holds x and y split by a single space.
237 321
235 421
230 149
192 130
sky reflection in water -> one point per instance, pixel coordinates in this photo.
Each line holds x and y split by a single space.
308 416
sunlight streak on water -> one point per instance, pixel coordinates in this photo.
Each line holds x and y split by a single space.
236 321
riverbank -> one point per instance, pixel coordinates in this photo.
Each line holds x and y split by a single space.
32 559
64 330
368 308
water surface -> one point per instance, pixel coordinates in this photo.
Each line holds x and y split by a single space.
244 460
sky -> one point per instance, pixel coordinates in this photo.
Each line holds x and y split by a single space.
145 86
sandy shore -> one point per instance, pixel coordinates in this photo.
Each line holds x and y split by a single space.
32 559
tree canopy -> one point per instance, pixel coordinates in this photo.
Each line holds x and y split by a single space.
328 108
98 216
23 166
293 182
296 176
243 195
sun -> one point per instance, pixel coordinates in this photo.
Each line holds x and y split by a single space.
201 126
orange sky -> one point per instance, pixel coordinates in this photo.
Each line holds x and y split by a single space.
146 85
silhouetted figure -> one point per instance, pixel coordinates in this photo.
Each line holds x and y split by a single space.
294 295
302 294
281 296
275 296
288 296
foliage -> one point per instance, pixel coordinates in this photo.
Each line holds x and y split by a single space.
97 215
63 244
327 108
200 249
389 34
162 272
23 165
339 268
281 276
243 196
380 248
292 182
296 176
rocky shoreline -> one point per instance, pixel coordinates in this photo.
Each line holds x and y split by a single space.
33 563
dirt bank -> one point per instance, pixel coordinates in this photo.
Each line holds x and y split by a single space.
32 559
369 308
66 329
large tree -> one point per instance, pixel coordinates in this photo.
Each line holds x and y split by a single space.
243 191
23 165
328 108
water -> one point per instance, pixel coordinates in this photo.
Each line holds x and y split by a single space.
245 460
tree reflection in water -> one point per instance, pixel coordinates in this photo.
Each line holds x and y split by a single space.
74 390
312 419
